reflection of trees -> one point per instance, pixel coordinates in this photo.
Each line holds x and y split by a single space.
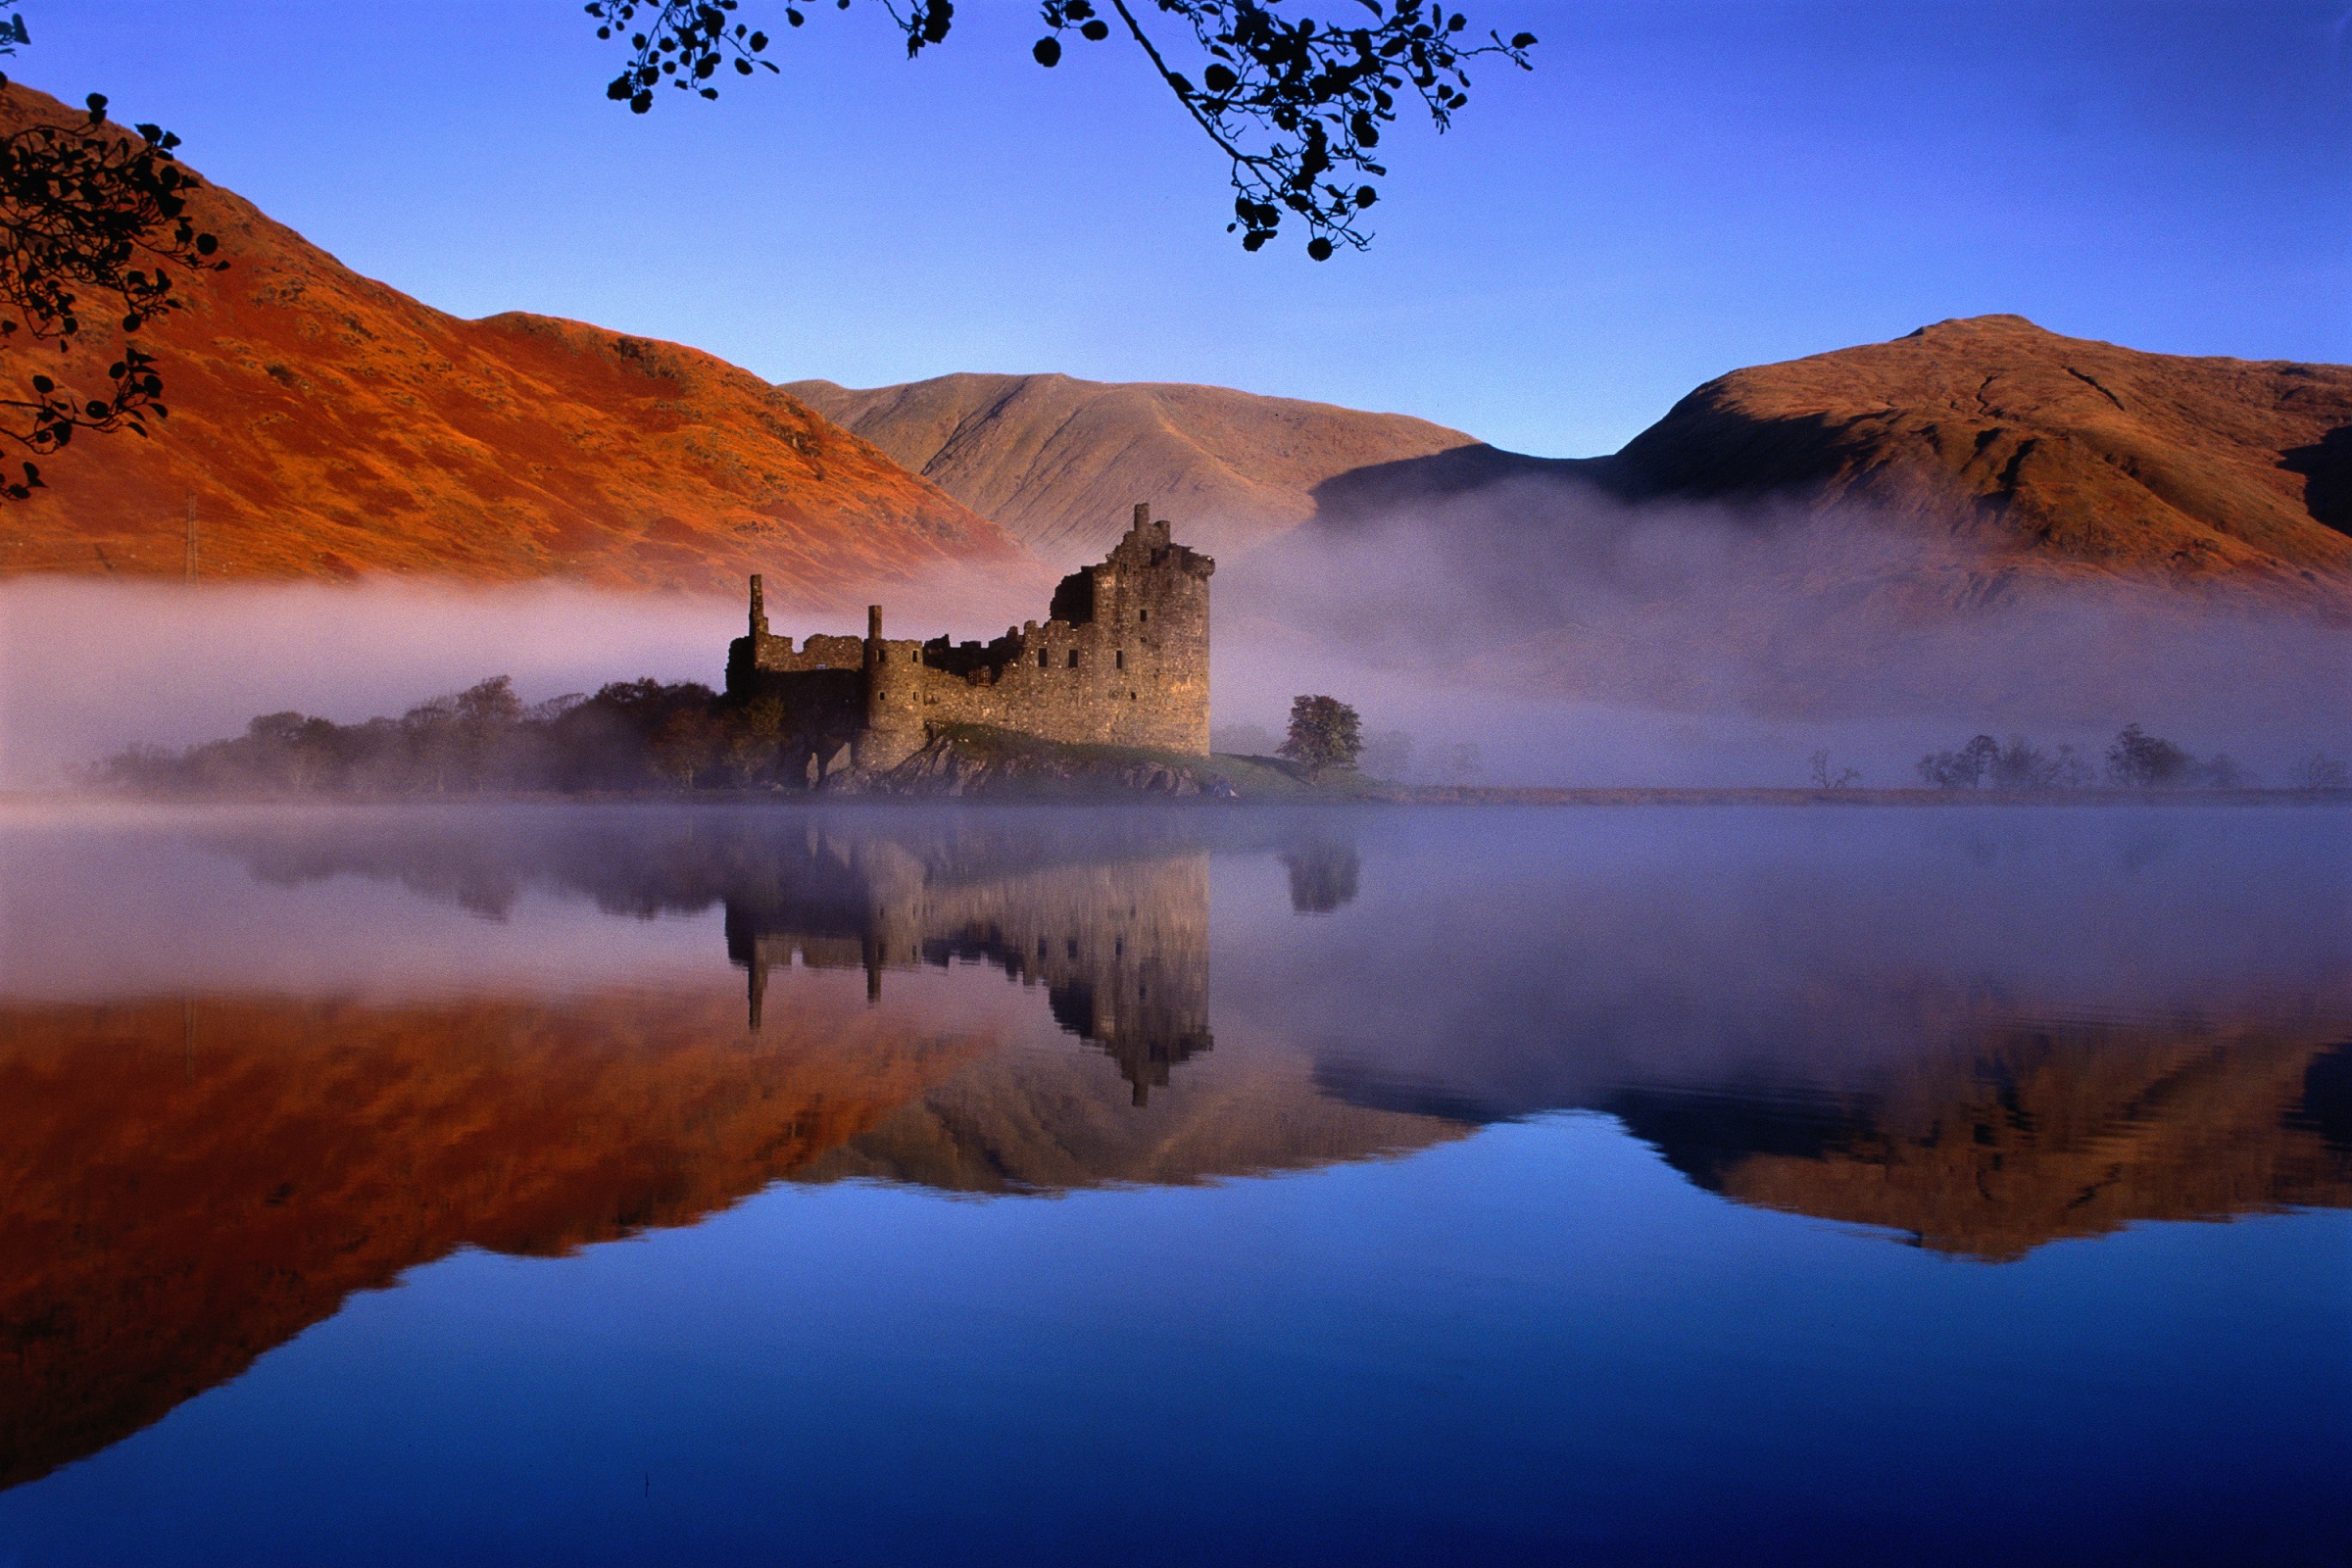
1323 876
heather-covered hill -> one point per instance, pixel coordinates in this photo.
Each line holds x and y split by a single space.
1986 442
2050 449
1057 460
1982 519
329 425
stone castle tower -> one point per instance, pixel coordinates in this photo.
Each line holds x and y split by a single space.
1121 660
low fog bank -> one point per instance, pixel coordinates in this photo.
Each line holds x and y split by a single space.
1532 631
89 667
1572 638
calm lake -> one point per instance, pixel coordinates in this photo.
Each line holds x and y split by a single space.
737 1185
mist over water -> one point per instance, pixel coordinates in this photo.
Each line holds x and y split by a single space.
629 1182
1569 637
1581 638
88 667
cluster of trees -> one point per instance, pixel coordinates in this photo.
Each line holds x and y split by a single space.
2134 761
2019 765
630 735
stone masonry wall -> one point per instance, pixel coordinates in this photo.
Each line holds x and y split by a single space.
1121 661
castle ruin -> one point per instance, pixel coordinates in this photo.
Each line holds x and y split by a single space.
1123 659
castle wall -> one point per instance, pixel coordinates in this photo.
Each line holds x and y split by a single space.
1122 661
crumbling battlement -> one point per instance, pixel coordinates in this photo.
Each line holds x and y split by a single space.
1123 659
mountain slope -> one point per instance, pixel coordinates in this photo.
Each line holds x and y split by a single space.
330 425
1982 519
2056 448
1987 438
1057 460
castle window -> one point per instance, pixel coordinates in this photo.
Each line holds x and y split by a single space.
1118 660
1040 658
1073 658
1143 614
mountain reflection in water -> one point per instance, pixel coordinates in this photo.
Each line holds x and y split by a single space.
238 1083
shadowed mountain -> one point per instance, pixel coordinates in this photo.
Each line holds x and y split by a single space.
1056 461
327 425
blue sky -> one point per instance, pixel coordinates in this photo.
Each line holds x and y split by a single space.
1680 188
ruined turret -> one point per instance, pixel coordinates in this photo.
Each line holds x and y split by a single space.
1123 659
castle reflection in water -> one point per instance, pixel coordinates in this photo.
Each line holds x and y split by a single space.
1120 947
1788 1024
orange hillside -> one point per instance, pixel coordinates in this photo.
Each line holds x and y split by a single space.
329 425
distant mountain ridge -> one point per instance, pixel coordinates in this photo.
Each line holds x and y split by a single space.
2052 455
1055 460
1981 519
2055 446
327 426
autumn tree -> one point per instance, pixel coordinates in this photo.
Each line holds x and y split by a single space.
1325 734
94 231
685 747
1296 107
754 733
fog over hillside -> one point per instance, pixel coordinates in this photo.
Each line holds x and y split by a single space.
1981 527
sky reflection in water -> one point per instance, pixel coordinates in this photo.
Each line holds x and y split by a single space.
1363 1187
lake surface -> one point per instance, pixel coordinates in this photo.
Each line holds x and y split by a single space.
725 1185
